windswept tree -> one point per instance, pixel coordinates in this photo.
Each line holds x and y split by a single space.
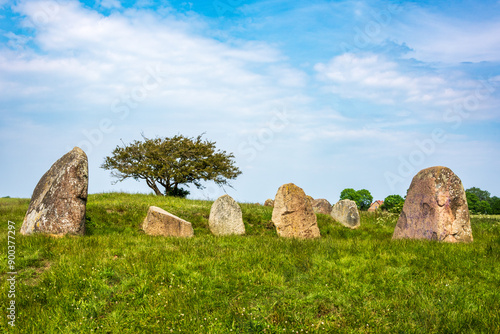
171 163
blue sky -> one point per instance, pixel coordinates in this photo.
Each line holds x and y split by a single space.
325 94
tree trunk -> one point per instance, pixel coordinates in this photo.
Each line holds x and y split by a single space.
152 185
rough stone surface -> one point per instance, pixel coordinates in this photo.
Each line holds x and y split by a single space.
226 217
346 212
310 199
435 208
59 200
269 202
293 214
161 222
321 205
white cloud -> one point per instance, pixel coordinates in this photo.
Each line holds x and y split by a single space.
62 81
108 56
376 79
439 38
84 63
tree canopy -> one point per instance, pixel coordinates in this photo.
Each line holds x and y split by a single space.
393 203
480 202
362 197
172 162
482 195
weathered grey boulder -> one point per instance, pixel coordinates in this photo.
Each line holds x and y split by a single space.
322 206
435 208
226 217
161 222
269 202
346 212
293 214
59 200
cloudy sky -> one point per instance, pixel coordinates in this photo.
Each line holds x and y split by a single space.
325 94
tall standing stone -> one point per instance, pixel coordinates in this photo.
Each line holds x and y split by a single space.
346 212
226 217
293 214
435 208
161 222
59 200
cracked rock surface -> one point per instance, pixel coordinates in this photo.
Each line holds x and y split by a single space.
435 208
293 213
59 200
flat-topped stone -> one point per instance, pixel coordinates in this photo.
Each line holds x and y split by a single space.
161 222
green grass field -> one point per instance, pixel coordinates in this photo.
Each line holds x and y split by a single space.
116 279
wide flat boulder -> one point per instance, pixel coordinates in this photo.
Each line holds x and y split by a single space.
293 214
226 217
161 222
435 208
58 203
346 212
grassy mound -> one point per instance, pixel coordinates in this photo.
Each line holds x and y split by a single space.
116 279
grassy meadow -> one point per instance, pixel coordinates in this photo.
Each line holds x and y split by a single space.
116 279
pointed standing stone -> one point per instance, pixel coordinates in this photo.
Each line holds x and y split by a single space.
59 200
435 208
293 214
226 217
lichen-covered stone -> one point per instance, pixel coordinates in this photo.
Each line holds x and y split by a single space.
161 222
310 199
269 202
346 212
321 205
59 200
293 214
226 217
435 208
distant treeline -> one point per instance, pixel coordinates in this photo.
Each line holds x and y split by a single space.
481 202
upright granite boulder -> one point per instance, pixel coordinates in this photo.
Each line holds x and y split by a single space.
161 222
293 214
226 217
346 212
321 205
435 208
59 200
